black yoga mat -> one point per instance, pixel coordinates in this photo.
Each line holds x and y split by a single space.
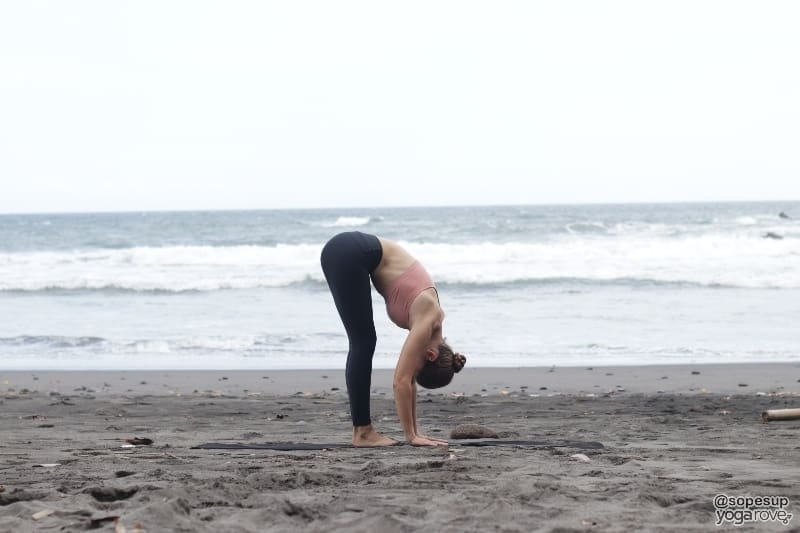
294 446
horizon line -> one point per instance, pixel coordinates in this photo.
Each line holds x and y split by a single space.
431 206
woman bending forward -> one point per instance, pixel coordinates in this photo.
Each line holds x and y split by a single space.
349 261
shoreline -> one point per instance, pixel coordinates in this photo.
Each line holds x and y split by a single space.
722 378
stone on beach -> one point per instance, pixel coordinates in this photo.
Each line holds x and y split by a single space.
139 441
473 431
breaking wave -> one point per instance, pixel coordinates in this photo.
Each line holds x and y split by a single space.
706 260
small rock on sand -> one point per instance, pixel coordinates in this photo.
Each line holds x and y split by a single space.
581 457
473 431
139 441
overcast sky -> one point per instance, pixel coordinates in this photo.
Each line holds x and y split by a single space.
140 105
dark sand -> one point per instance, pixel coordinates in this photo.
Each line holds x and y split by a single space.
674 439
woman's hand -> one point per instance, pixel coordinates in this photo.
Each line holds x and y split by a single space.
419 440
434 439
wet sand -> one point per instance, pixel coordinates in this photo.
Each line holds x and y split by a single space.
674 436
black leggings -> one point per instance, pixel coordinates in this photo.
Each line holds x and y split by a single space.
347 260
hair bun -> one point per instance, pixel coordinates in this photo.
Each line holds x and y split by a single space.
458 362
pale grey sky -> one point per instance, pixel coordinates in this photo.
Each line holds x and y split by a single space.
109 105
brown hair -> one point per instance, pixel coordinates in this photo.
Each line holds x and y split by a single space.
440 372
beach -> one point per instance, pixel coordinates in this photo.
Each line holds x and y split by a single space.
595 205
674 437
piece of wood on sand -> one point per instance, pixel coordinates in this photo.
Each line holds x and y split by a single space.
780 414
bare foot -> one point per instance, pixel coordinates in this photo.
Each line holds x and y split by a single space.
367 437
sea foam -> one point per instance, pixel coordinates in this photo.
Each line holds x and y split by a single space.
347 222
731 260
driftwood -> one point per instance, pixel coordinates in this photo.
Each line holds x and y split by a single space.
780 414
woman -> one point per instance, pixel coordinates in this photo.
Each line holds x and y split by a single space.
349 261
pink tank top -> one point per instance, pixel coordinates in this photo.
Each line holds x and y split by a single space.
404 290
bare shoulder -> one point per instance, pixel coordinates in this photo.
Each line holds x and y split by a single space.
426 309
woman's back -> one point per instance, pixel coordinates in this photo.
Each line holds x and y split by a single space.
394 262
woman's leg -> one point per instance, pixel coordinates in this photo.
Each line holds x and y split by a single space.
347 266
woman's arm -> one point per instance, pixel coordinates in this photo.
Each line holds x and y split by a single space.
414 413
414 407
412 358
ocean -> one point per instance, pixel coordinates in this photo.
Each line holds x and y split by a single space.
563 285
